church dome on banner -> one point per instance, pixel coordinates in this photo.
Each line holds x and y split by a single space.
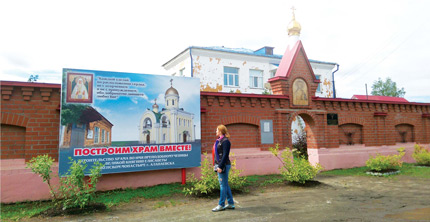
171 97
171 90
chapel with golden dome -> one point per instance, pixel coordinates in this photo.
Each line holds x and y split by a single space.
172 125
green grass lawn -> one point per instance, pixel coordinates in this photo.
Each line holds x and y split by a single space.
17 211
408 169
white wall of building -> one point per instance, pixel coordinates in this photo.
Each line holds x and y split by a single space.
208 65
325 73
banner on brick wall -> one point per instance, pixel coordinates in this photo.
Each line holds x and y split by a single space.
129 122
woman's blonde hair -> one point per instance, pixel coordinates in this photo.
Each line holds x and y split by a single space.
223 130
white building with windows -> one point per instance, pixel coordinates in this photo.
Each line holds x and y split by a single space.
222 69
239 70
171 125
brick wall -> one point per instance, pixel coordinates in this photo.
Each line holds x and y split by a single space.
30 119
377 123
12 142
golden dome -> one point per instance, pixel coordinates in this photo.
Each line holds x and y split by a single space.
155 106
294 27
172 91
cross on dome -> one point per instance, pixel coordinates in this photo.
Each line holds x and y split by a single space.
293 9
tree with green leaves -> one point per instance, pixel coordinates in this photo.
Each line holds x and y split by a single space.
71 113
387 88
33 78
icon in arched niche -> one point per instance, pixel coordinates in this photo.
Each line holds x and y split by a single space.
300 93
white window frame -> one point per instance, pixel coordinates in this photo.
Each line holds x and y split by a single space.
181 72
319 84
234 77
272 73
256 75
96 135
103 136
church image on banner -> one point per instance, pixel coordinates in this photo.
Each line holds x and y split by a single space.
171 125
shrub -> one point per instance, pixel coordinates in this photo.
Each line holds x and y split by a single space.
421 155
297 169
383 163
208 182
73 191
41 165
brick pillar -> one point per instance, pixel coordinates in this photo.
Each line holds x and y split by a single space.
380 125
279 85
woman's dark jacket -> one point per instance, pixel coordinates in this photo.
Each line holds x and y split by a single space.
223 149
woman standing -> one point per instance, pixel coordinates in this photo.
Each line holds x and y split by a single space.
222 152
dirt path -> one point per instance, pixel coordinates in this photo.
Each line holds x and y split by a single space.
335 199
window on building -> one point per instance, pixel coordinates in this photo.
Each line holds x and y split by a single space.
272 73
181 72
255 78
107 137
147 123
173 102
164 121
164 137
103 136
231 76
319 84
96 135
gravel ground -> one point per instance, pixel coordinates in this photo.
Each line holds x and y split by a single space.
336 198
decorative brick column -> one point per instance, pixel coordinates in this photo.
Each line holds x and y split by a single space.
279 85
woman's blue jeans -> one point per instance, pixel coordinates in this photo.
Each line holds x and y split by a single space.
225 191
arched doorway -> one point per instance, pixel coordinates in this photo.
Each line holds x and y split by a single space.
184 136
298 135
303 133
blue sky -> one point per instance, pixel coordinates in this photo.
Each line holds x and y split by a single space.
125 112
368 39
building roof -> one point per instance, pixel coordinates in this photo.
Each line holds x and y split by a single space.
380 98
90 115
242 51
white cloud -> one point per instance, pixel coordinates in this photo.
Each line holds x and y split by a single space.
136 99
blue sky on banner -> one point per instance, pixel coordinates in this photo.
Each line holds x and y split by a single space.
368 39
125 112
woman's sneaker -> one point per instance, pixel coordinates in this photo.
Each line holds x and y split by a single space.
229 206
218 208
